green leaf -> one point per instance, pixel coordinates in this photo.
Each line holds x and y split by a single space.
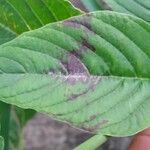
91 5
16 17
1 143
6 34
18 119
93 72
5 122
19 16
12 120
139 8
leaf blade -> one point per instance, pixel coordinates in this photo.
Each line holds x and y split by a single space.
102 93
128 7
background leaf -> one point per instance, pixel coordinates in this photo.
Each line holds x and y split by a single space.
6 34
124 6
1 143
94 74
91 5
5 122
18 16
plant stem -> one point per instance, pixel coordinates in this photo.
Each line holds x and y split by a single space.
21 140
92 143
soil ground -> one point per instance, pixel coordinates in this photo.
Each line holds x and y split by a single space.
44 133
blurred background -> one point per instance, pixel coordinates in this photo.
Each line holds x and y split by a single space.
44 133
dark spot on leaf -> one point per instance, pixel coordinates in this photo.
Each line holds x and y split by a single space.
80 52
59 114
51 71
78 4
74 65
88 45
92 117
87 22
71 23
74 96
96 127
91 83
78 22
104 4
77 53
100 124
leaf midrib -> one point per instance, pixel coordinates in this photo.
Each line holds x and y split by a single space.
79 76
